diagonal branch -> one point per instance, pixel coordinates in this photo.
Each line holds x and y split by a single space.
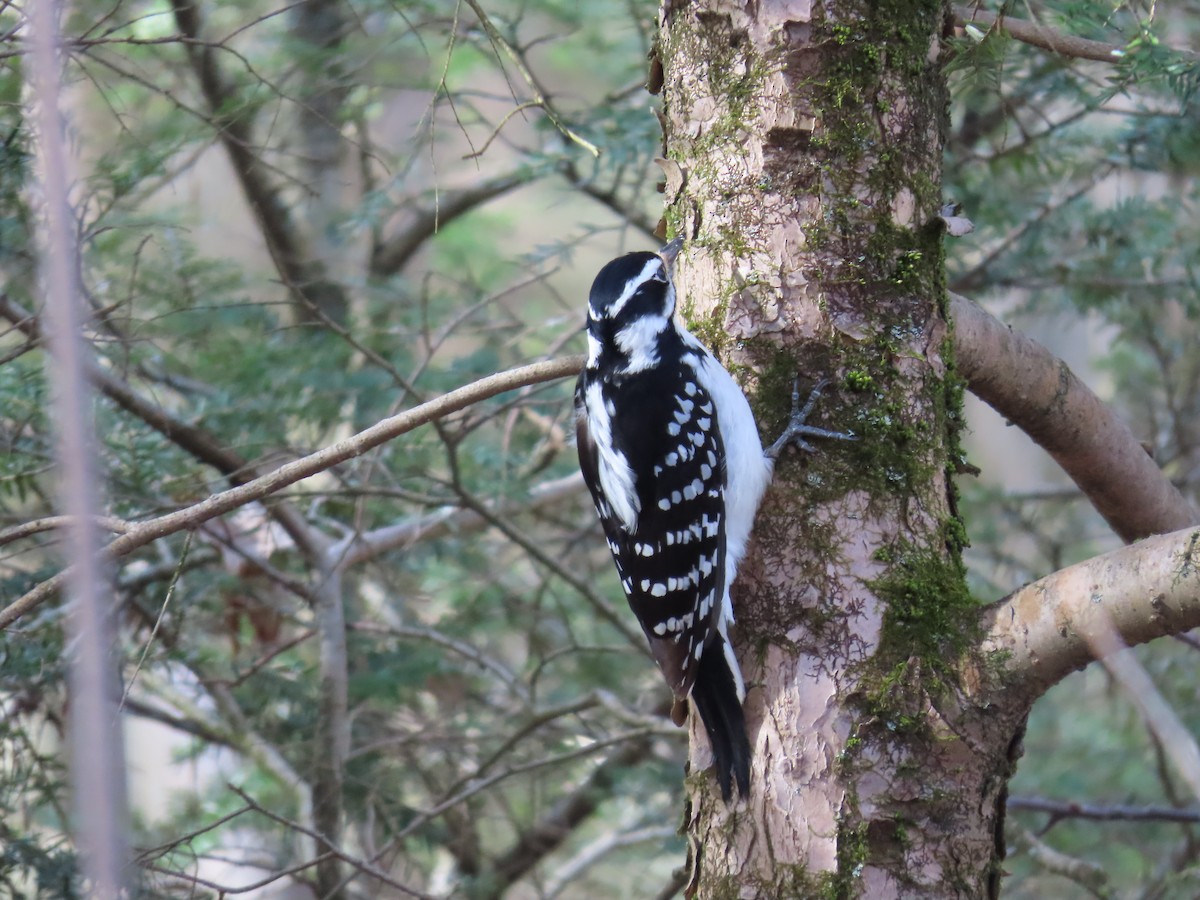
1030 387
392 255
539 95
568 814
457 519
265 485
196 441
1048 39
294 261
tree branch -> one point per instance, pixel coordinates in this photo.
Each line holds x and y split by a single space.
302 274
392 255
1064 809
547 835
356 445
1048 39
196 441
1089 876
1048 629
1030 387
457 519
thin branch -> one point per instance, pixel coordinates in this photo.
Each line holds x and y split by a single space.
361 864
627 211
452 520
392 255
163 849
567 814
1043 632
54 523
196 441
224 889
1036 391
1048 39
1063 809
580 584
462 648
295 264
482 784
290 473
539 96
1089 876
976 276
162 611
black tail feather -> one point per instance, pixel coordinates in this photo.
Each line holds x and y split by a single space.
715 696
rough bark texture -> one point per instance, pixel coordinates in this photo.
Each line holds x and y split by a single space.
806 143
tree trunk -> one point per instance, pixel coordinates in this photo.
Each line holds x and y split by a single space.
806 142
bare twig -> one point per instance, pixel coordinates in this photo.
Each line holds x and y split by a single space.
224 889
1087 875
132 679
453 519
196 441
1048 39
361 864
598 603
462 648
1062 809
975 276
539 96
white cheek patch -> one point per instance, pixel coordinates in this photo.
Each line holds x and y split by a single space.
638 341
595 348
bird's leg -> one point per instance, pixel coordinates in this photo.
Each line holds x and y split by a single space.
797 430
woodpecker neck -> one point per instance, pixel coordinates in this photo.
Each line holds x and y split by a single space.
633 347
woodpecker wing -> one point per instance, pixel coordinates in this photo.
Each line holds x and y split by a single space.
661 425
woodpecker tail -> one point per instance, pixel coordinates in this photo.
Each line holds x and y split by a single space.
715 694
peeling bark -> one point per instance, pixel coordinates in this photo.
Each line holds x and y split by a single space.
1055 626
806 140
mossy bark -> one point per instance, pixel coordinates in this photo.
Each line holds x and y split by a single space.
806 141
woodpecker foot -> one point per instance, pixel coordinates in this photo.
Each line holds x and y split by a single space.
797 429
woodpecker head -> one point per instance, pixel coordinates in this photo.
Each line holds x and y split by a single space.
630 309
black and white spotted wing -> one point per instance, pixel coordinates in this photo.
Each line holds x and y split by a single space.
671 564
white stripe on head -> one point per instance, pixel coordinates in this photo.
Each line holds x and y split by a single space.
633 284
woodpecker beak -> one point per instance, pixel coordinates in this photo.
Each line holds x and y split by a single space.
670 252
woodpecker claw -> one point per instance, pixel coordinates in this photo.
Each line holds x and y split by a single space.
797 429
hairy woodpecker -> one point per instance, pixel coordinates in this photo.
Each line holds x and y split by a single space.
670 452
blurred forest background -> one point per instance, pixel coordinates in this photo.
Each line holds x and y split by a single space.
297 219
